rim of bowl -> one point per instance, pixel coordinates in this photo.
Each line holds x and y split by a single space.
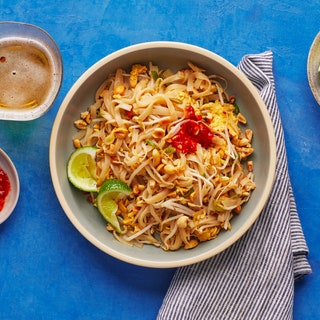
179 262
313 63
51 48
12 198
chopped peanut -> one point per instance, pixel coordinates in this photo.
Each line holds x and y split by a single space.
120 133
250 166
158 133
242 118
76 143
80 124
248 134
170 169
156 157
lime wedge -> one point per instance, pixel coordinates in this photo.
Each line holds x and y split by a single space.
81 169
109 194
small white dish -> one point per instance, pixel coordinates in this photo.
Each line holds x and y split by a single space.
12 198
313 66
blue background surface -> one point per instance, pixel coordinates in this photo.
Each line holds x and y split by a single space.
47 269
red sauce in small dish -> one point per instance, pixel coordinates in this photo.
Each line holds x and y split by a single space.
4 187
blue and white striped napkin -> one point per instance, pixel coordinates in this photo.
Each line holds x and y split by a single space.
254 278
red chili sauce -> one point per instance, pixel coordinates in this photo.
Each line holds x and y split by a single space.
191 132
4 187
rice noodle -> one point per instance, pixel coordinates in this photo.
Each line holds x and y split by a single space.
179 198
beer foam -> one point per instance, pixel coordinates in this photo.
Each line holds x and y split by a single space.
26 74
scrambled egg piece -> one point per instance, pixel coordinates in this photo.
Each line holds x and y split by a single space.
135 71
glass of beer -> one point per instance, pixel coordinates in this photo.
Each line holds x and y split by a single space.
31 71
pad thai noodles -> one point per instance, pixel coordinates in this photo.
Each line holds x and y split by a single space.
180 143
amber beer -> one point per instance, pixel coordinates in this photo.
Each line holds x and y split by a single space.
25 74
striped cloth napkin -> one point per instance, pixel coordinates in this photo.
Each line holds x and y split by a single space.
254 278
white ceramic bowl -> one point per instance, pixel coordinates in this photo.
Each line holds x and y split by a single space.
167 55
12 198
